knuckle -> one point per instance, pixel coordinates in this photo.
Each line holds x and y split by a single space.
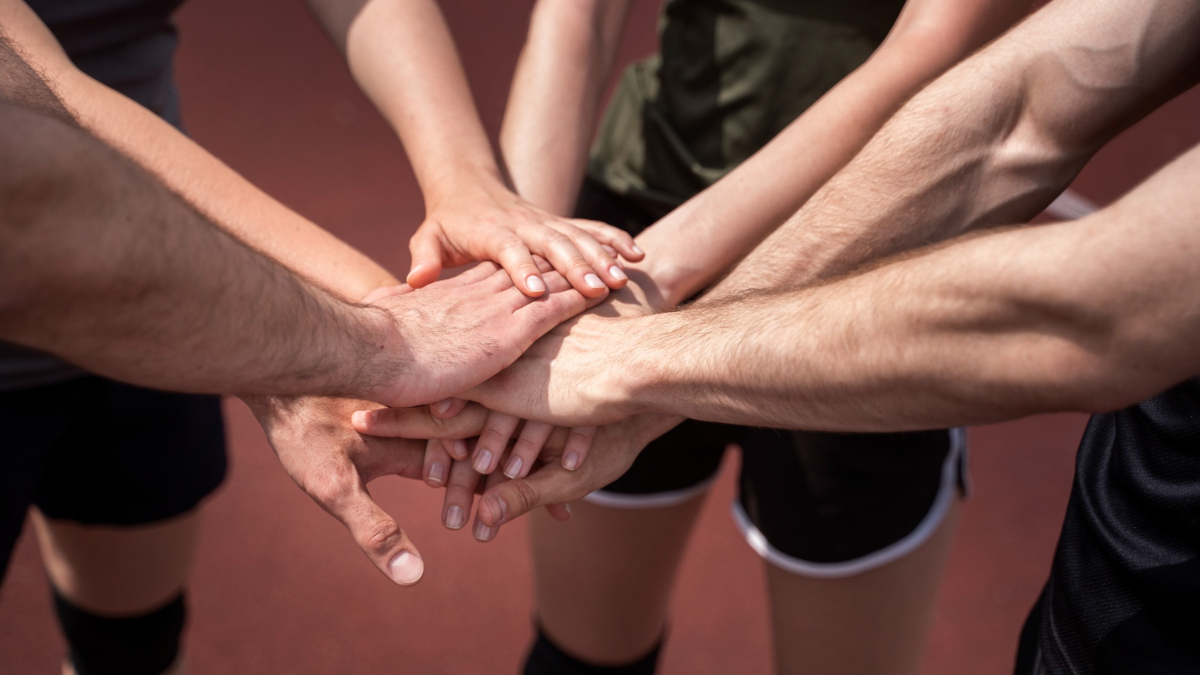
381 535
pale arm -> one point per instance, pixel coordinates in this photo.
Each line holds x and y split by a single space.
695 243
208 184
402 55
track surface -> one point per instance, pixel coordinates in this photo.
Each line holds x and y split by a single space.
280 587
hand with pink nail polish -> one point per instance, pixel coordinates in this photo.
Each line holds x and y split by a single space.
333 463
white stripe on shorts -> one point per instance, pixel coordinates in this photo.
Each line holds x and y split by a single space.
654 500
941 505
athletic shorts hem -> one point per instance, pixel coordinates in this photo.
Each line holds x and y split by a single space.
654 500
888 554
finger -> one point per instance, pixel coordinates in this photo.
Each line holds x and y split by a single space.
460 493
437 463
605 265
457 448
427 255
561 251
557 306
419 422
481 531
447 407
559 511
514 257
529 443
611 236
579 441
377 534
493 440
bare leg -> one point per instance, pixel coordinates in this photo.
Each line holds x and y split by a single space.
873 623
604 577
119 571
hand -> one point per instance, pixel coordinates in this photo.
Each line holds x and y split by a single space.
486 221
526 389
459 332
614 449
333 463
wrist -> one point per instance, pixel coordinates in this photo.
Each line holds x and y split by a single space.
636 375
381 360
460 180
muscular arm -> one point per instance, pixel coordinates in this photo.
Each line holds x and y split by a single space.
208 184
1089 315
694 244
991 142
103 266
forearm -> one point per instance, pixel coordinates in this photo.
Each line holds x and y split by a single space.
211 186
993 141
704 237
997 327
403 57
103 266
551 115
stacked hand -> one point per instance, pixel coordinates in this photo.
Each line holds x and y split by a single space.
545 465
455 333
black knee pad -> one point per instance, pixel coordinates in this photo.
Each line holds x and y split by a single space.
136 645
545 658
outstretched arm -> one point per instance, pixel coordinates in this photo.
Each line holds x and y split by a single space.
402 55
209 185
567 60
991 142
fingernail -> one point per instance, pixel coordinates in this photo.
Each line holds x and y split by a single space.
534 283
483 532
407 568
637 250
359 419
483 461
513 468
460 449
567 508
454 517
498 509
571 461
437 473
593 281
617 272
443 405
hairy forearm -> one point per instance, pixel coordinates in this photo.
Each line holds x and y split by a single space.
704 237
211 186
551 115
103 266
1061 317
993 141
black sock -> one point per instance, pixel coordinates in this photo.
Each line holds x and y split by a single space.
545 658
136 645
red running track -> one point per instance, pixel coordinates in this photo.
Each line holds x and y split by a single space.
280 587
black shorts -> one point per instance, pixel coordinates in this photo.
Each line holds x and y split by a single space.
818 504
101 452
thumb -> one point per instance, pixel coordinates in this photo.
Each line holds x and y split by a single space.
426 251
512 499
378 535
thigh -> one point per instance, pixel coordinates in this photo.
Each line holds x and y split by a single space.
855 529
31 422
117 504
